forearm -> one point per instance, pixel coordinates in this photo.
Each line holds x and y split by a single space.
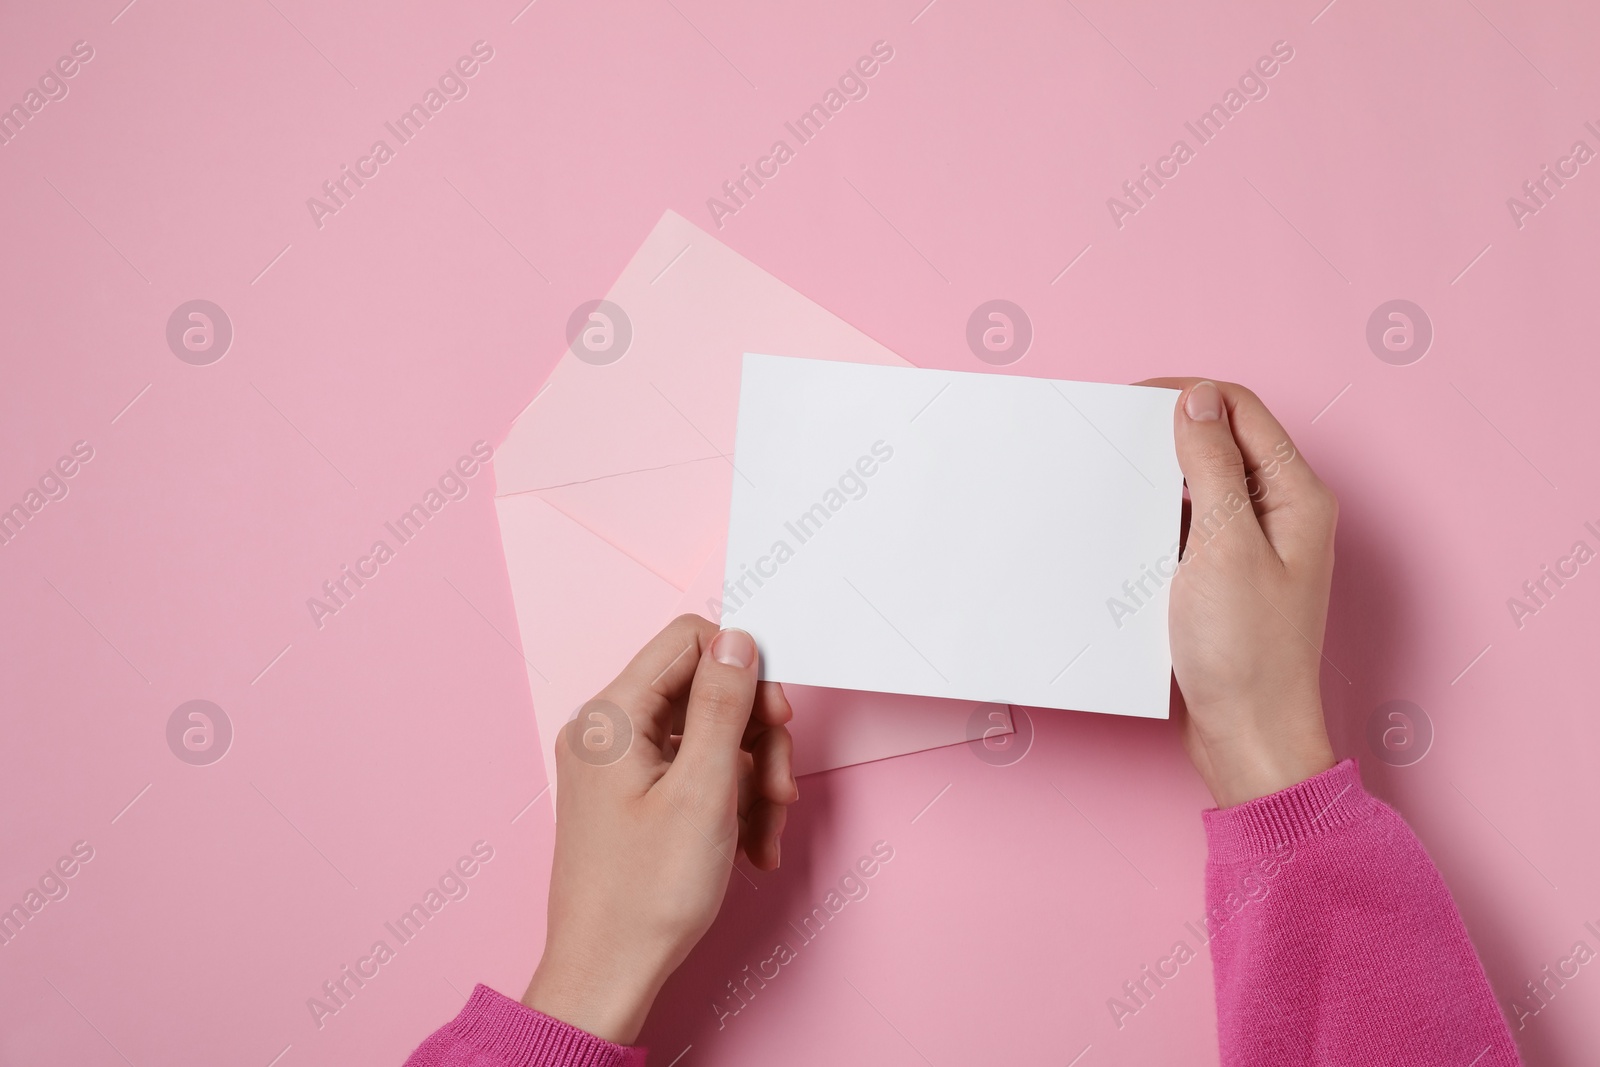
1334 939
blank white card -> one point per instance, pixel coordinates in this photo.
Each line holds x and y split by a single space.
939 533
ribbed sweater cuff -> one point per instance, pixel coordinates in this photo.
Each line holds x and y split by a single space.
521 1037
1314 807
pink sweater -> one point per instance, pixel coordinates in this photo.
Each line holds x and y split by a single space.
1333 941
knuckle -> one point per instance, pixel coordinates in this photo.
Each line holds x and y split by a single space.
688 624
565 759
1219 459
565 734
721 702
1323 505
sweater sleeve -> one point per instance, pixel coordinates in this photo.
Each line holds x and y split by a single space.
495 1031
1334 940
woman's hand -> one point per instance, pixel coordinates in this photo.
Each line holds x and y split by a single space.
673 769
1250 599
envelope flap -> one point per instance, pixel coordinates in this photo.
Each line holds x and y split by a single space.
690 308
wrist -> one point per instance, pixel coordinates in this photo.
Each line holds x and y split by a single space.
1258 754
609 999
1247 778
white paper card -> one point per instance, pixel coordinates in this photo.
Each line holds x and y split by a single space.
940 533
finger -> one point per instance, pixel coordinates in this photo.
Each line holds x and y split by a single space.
1213 467
659 675
1297 509
720 701
773 752
772 704
1286 492
760 834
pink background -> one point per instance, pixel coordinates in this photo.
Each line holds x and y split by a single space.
368 354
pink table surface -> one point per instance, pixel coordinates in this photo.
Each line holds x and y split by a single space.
368 755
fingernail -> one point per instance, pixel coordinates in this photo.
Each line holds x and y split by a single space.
1204 403
777 851
733 648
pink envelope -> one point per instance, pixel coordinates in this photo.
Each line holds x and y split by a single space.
612 489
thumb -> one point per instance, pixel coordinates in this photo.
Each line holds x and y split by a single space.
1212 464
720 699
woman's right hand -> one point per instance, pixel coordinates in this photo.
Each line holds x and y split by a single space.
1250 600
